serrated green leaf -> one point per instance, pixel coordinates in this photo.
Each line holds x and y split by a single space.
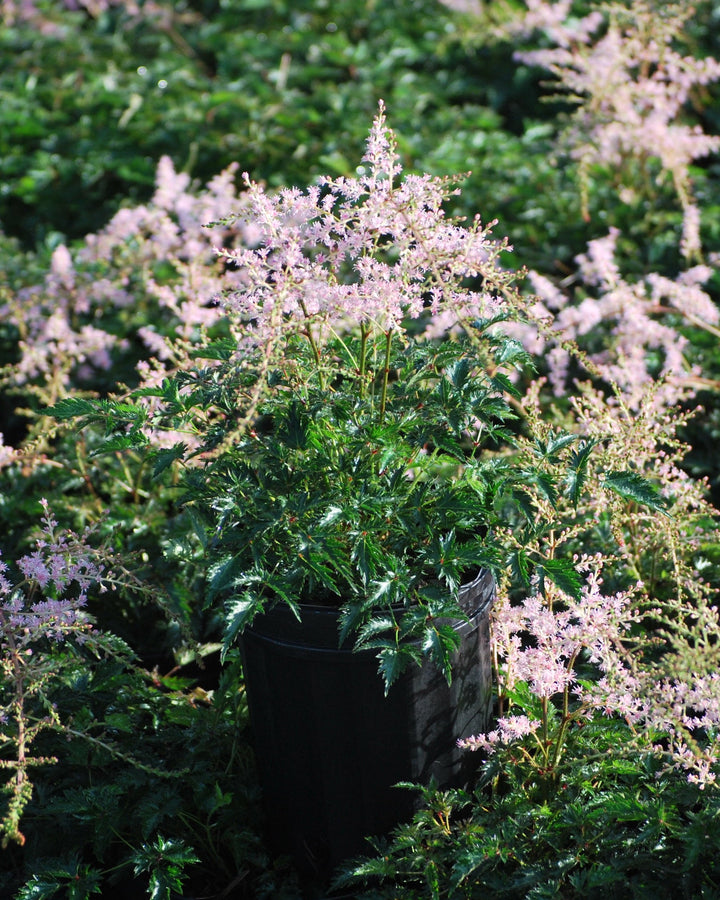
557 442
239 612
520 695
380 625
577 476
164 861
365 552
512 352
563 574
39 888
500 382
634 486
351 616
218 350
165 457
520 566
317 563
120 722
293 431
432 879
71 407
545 485
77 883
392 662
440 643
223 575
119 442
458 372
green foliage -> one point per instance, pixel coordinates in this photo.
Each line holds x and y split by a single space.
75 881
326 501
633 486
285 88
612 827
125 812
165 861
381 502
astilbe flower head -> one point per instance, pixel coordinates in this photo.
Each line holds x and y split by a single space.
150 273
632 86
366 252
509 729
635 316
538 645
558 634
61 569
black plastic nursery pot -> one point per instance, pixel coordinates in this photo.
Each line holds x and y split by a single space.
330 745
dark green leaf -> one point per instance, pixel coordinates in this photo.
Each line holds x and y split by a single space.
293 431
165 457
119 442
578 473
633 486
440 642
563 574
392 663
239 612
71 407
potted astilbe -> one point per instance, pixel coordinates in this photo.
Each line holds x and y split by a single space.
350 456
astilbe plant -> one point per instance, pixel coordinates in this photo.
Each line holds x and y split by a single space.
45 608
131 301
325 380
539 645
47 637
669 632
347 455
547 649
362 256
622 65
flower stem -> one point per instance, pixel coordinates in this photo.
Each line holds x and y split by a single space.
386 374
313 344
364 332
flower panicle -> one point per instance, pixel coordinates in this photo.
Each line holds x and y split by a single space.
538 647
62 568
371 252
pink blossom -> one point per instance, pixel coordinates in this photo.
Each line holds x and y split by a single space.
33 567
632 86
68 323
61 569
538 644
634 316
509 729
371 250
8 455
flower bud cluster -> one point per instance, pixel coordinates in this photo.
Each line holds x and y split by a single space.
371 251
